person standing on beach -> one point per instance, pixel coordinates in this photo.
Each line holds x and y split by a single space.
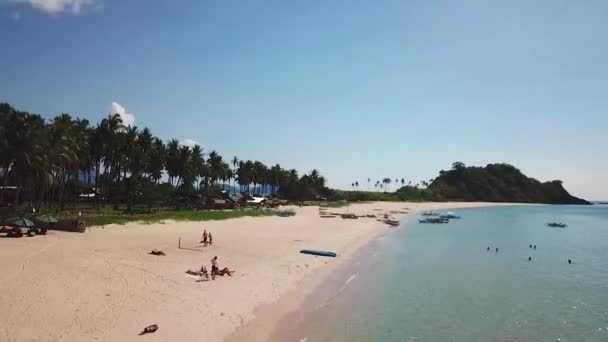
204 241
210 239
214 267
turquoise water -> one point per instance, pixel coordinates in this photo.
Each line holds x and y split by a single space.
428 282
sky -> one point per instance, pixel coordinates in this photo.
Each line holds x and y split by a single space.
355 89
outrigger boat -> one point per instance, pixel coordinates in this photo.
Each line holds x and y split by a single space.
437 220
556 225
449 215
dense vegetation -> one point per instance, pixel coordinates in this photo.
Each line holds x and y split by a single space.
498 183
492 183
48 163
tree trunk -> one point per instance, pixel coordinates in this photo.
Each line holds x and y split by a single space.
6 170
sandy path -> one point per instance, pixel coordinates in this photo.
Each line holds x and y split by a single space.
103 286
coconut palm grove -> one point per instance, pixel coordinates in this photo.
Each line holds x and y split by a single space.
51 163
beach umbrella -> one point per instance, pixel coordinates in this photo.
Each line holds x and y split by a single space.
47 218
20 222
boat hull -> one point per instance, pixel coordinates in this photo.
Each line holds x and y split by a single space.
319 253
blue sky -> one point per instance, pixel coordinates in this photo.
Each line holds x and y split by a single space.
356 89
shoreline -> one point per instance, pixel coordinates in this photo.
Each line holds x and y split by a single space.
103 285
275 322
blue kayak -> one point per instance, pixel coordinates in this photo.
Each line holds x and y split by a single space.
319 253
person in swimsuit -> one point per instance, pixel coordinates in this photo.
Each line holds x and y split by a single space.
214 267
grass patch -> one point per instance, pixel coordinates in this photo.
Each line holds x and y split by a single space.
286 213
183 215
334 204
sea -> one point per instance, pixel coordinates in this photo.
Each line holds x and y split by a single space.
439 282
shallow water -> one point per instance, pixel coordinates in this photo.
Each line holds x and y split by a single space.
427 282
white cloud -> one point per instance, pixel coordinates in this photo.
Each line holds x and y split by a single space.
128 119
60 6
188 142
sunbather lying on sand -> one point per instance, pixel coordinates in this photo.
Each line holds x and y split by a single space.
223 271
215 269
202 273
157 252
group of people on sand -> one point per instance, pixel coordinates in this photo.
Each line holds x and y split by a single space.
215 264
207 238
215 270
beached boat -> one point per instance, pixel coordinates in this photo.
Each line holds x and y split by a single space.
436 220
429 213
318 253
390 222
556 225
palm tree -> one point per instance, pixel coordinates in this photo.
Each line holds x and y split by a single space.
386 182
157 160
196 163
235 162
171 161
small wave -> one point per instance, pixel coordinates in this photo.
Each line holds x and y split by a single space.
351 278
342 288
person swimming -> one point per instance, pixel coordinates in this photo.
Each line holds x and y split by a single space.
529 258
534 246
569 261
496 249
488 248
530 246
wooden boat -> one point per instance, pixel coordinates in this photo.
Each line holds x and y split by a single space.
429 213
436 220
393 223
328 216
319 253
556 225
449 215
349 216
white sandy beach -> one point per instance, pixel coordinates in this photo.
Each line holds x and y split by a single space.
103 286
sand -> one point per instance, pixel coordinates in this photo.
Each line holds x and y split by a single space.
103 286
